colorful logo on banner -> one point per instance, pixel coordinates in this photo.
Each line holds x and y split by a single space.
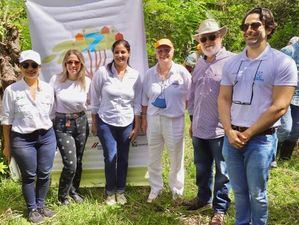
93 42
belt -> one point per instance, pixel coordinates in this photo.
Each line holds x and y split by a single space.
269 131
69 115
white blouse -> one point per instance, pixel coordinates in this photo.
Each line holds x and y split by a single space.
116 100
25 114
175 90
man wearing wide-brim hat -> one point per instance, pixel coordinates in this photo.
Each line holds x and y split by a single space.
209 26
206 130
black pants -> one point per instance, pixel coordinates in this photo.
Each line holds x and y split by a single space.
71 133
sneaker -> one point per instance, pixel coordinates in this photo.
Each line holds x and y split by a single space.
35 217
46 212
64 201
152 196
121 198
274 164
77 198
177 198
194 204
110 200
217 219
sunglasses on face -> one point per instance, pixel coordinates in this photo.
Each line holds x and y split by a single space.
26 65
254 26
71 62
211 37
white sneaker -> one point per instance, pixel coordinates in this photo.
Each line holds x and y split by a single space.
177 198
152 196
110 200
121 198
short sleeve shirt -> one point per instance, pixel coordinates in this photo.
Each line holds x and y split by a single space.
69 96
253 80
175 90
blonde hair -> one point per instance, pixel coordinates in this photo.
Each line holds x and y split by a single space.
81 74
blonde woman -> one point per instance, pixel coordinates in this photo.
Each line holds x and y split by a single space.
71 89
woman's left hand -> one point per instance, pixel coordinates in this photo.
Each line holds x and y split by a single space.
134 134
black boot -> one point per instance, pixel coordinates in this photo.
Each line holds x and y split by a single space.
287 149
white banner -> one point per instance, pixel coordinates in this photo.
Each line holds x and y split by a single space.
90 26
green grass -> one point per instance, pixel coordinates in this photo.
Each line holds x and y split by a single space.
283 198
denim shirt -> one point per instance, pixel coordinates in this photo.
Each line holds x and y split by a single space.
293 51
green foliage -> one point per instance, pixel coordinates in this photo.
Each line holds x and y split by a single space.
3 168
13 14
173 19
179 19
282 191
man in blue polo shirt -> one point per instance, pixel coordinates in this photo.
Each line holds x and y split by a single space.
256 89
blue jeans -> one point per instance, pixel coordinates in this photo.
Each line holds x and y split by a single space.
116 143
205 153
294 135
248 169
34 154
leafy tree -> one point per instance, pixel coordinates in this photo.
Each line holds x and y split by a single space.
173 19
13 13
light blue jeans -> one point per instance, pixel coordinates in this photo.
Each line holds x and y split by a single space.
248 169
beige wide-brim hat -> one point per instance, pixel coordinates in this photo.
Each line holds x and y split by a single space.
209 26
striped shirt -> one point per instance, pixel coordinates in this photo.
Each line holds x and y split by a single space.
203 96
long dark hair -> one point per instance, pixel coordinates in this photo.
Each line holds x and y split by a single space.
126 44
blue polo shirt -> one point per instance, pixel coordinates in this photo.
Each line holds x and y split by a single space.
293 51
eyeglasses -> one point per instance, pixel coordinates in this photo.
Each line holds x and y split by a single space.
254 26
211 37
26 65
252 85
71 62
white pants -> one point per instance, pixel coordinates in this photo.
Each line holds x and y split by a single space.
170 131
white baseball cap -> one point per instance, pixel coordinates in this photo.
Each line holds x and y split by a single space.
30 55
